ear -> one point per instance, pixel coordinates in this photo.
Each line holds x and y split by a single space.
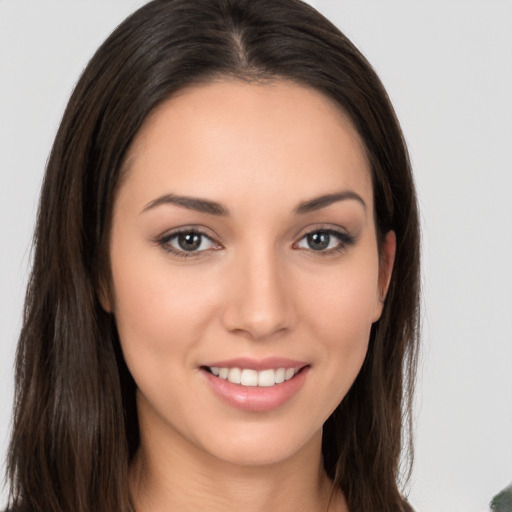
104 296
387 260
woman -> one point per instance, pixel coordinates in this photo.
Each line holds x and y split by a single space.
223 306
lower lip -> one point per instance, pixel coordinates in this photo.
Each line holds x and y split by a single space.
256 398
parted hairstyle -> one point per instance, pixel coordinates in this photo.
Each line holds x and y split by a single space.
75 426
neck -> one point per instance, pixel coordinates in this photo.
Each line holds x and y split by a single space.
178 476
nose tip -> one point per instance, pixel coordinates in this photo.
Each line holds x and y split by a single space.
260 305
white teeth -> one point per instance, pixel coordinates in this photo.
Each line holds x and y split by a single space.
266 378
289 373
235 375
247 377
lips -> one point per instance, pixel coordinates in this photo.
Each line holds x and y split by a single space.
256 385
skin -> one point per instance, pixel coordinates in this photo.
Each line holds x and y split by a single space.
255 288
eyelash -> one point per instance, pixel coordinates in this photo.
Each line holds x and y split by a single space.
344 241
165 240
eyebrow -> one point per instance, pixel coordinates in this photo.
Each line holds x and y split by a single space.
320 202
214 208
190 203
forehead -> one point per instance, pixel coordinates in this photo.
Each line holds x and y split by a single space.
231 136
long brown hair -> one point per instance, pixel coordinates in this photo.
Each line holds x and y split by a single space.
75 425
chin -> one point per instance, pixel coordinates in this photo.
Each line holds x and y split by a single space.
263 446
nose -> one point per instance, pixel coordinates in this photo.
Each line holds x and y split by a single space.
260 302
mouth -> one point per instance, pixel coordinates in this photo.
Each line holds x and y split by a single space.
254 378
256 386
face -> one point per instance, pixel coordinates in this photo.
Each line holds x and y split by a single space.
245 269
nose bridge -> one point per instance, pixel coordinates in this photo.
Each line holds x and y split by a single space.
260 303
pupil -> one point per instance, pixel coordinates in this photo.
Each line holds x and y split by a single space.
189 241
319 241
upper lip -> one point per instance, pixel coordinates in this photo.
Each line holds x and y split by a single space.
267 363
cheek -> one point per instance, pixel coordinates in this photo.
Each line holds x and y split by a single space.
346 299
341 316
160 311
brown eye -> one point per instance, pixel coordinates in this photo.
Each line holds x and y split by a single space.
189 241
325 241
318 241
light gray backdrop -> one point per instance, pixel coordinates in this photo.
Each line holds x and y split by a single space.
447 65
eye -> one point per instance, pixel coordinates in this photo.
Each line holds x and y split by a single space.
325 240
187 243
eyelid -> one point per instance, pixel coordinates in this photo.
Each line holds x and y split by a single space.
345 238
164 241
322 226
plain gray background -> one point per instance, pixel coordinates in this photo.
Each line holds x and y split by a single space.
447 65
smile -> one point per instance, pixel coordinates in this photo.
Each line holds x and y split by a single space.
256 385
249 377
